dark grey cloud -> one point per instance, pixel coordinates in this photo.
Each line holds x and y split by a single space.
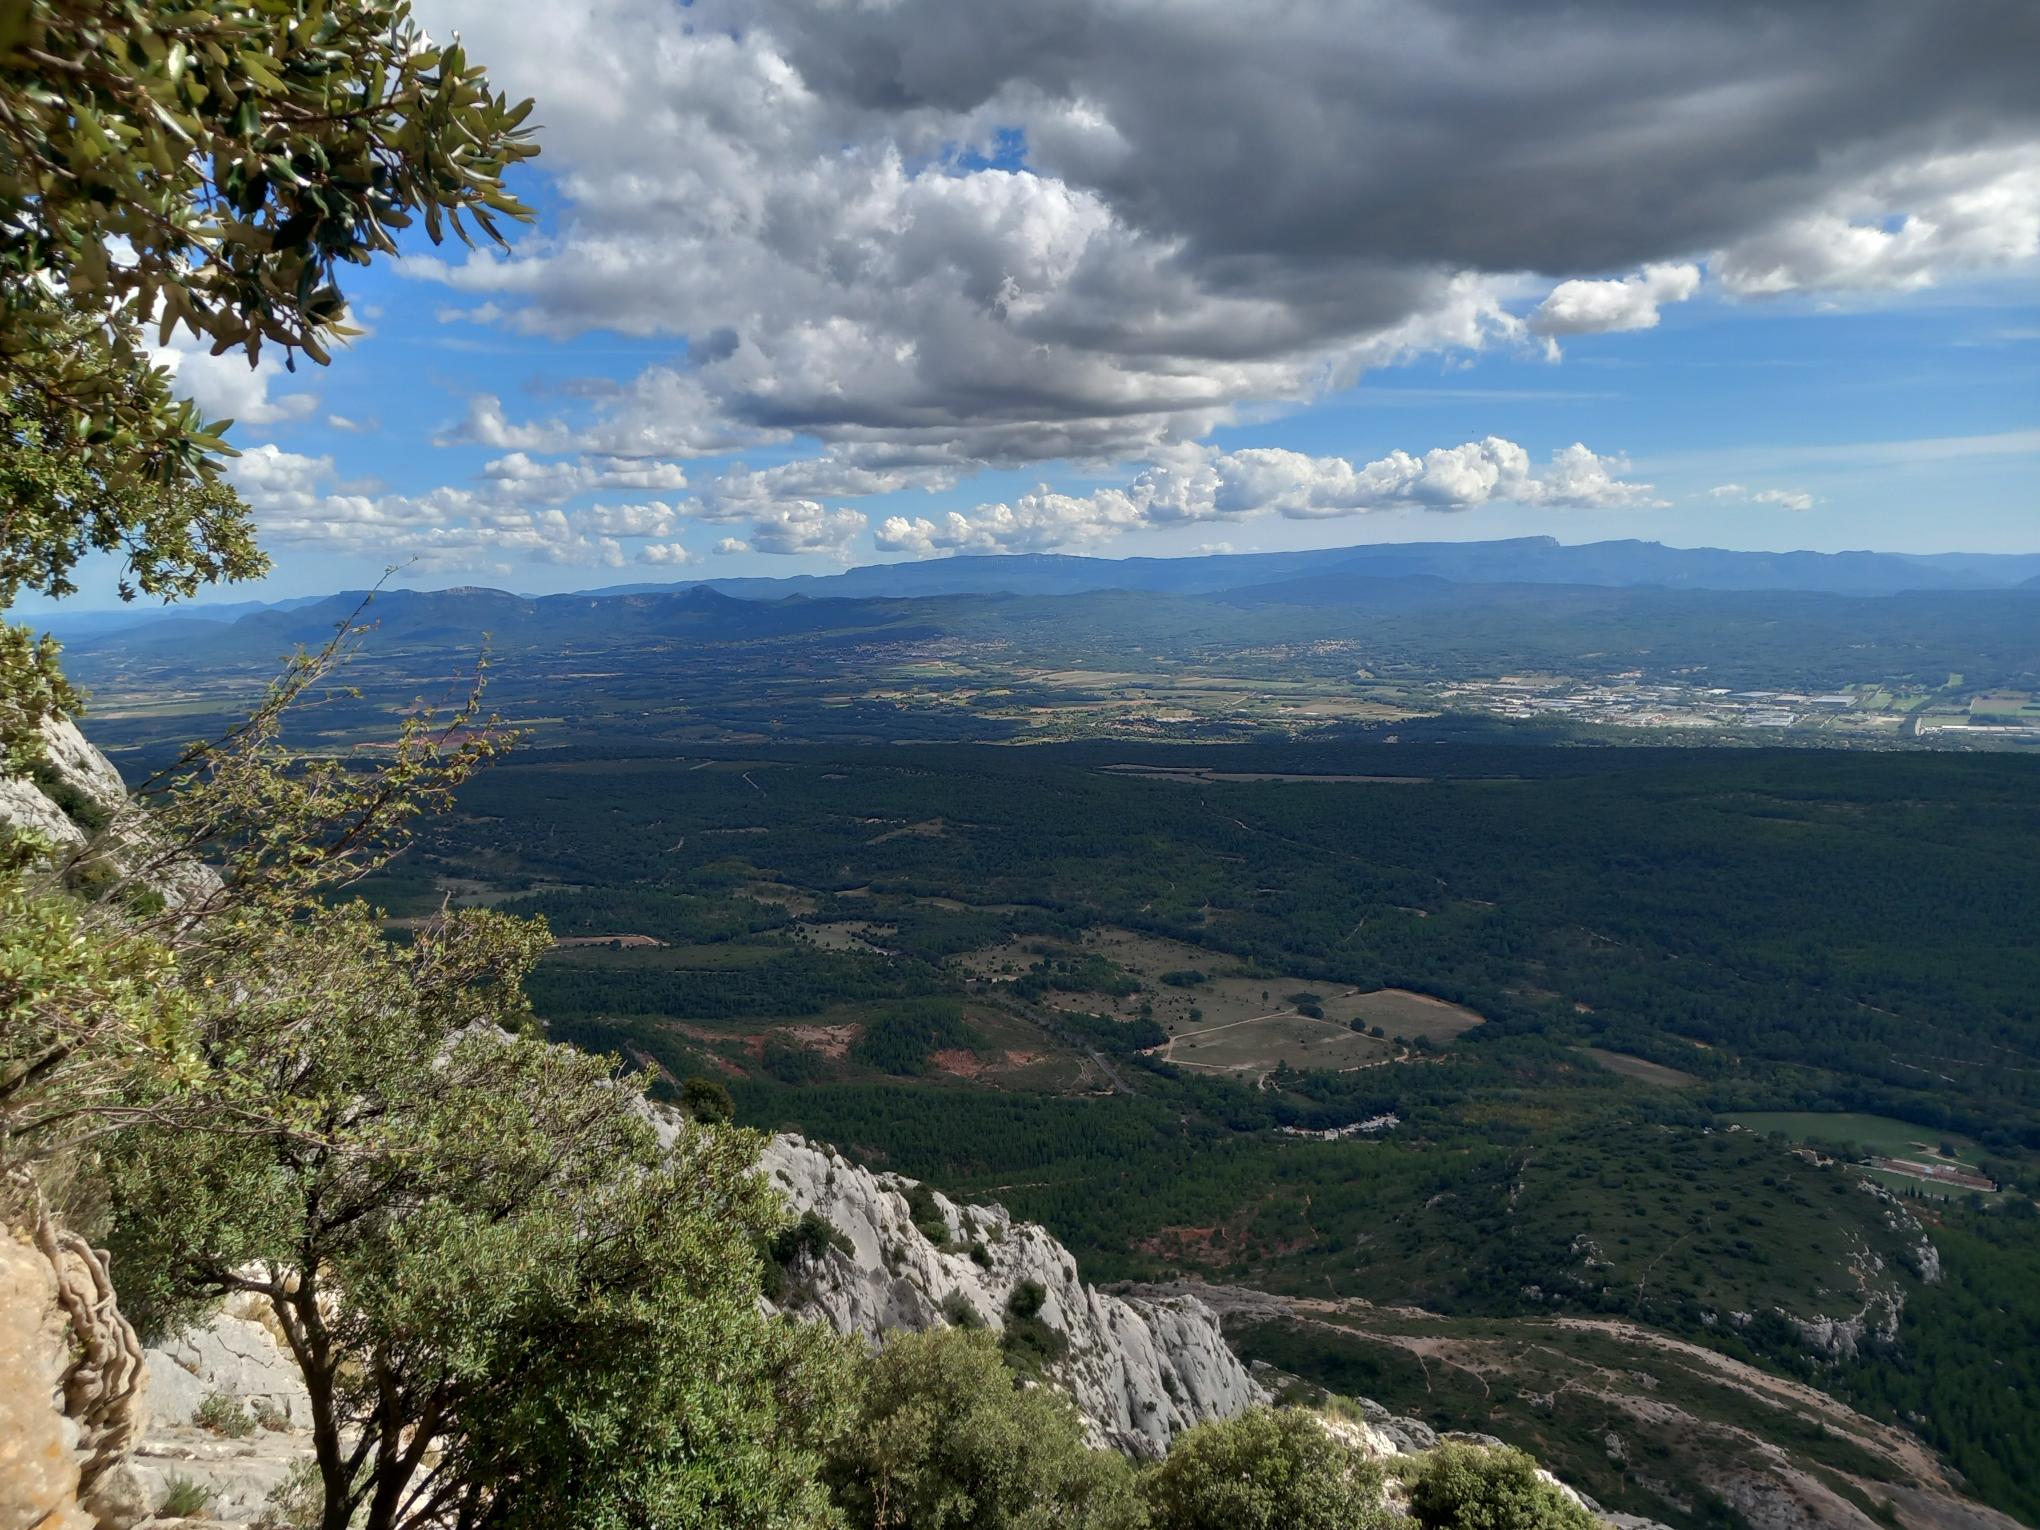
1220 206
1487 134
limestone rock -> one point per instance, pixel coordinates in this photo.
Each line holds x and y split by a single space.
240 1478
237 1354
23 806
80 764
1140 1370
1378 1432
38 1441
71 1379
118 832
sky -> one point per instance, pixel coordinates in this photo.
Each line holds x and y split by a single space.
825 282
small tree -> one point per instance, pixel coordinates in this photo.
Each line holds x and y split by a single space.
944 1440
511 1306
102 1000
1471 1487
1266 1469
706 1100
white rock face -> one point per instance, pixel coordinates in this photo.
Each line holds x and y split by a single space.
1377 1432
24 805
235 1354
127 841
81 764
1140 1370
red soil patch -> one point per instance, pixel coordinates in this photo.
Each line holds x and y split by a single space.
832 1041
956 1061
1197 1245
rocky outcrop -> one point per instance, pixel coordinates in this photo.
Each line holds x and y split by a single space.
78 804
71 1379
238 1354
75 793
1141 1370
38 1441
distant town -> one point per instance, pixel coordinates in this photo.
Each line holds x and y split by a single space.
1868 711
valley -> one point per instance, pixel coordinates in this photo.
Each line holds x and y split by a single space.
1543 1037
1489 986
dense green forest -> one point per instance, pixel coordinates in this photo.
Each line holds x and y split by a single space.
982 967
1811 929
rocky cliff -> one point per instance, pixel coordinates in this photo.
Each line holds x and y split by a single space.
1141 1370
71 1379
75 794
76 802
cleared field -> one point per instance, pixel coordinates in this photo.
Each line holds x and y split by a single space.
795 900
1641 1069
1229 1020
1402 1013
845 935
1192 774
1882 1134
1000 963
1258 1044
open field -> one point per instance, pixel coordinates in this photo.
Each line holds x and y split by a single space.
1641 1069
1402 1013
794 900
1194 774
1255 1045
844 935
1881 1134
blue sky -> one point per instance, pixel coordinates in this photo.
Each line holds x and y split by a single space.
815 285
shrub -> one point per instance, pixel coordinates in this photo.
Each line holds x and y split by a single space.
958 1311
72 802
706 1100
1183 977
944 1440
183 1499
1266 1469
1472 1487
807 1237
927 1216
269 1416
295 1503
224 1415
1027 1299
1028 1343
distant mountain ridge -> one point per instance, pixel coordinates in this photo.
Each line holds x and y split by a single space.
901 599
1519 560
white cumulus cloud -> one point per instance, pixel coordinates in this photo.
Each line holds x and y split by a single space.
668 554
1785 499
1200 484
1588 307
